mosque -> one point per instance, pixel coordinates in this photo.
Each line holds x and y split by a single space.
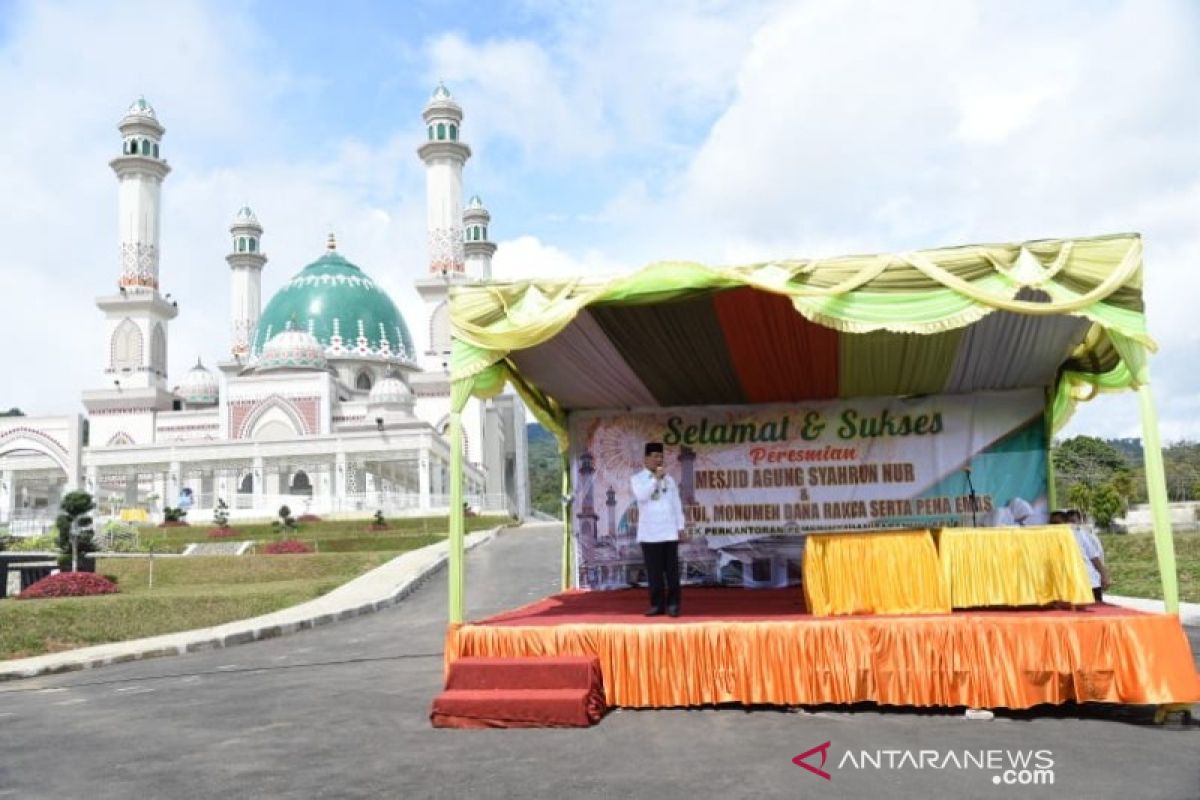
318 401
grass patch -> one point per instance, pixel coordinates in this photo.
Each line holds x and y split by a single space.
326 534
1133 566
188 593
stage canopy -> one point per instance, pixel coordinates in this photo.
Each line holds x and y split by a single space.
1063 314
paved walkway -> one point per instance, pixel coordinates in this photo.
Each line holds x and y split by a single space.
377 589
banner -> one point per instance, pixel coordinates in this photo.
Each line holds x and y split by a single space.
755 479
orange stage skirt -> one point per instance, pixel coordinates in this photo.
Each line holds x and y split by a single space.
757 647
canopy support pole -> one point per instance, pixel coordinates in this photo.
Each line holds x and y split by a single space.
566 515
456 554
1051 477
1156 487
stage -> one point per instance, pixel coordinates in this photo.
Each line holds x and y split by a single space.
763 647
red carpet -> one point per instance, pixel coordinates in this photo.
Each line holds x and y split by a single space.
752 647
562 692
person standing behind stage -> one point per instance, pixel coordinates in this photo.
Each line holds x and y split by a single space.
660 527
1093 554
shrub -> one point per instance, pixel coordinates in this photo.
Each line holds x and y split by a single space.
308 518
69 584
287 547
378 522
75 508
286 521
47 541
221 515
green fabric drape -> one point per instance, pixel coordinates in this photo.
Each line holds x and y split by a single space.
924 292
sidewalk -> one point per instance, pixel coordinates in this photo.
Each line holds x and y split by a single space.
1189 613
377 589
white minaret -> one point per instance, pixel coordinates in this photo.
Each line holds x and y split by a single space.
140 171
135 344
444 155
477 247
246 260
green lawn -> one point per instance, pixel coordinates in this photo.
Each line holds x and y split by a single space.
328 536
198 592
1134 571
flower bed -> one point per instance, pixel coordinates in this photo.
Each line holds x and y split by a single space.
177 523
222 533
69 584
373 528
308 518
287 547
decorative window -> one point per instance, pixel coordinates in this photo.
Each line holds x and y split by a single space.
145 147
431 133
127 346
454 133
156 150
253 244
363 381
247 485
441 131
241 244
301 484
158 350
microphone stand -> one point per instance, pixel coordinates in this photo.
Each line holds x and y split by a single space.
971 492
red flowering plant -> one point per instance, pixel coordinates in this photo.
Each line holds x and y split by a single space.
287 547
69 584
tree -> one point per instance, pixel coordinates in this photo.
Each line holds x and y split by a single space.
1106 503
221 514
1079 496
75 515
12 412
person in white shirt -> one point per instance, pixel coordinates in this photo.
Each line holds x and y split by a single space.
1093 554
660 527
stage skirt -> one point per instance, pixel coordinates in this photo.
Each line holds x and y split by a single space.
1013 566
976 659
887 572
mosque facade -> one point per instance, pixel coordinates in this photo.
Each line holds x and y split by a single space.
318 400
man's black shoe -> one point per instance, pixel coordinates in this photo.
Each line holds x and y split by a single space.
673 611
654 611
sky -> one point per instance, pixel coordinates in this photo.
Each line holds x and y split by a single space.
605 136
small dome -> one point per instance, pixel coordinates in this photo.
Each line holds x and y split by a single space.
442 99
475 202
292 349
140 108
200 387
390 391
245 216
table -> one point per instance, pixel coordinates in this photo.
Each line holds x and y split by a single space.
873 572
1032 566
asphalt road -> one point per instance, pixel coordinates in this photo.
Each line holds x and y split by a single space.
341 712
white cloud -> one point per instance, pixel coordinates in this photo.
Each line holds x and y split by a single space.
609 136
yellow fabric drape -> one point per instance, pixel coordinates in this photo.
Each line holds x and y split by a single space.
1013 566
981 660
892 572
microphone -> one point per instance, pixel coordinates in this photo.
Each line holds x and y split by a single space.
971 494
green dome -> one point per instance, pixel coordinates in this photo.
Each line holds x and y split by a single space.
339 304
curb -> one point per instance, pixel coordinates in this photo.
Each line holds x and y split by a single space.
345 602
1189 613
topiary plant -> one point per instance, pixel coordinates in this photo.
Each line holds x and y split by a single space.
75 517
